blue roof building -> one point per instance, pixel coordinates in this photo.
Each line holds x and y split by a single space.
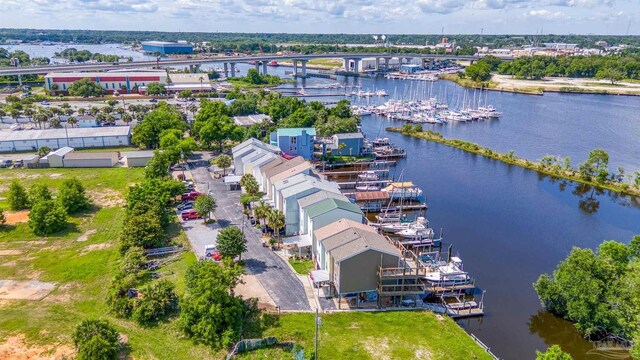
294 141
164 47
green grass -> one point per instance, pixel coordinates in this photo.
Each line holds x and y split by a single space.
82 270
368 335
302 266
330 63
341 159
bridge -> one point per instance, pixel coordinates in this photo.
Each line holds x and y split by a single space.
351 61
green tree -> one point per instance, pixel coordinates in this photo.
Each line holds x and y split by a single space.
276 221
17 198
250 185
85 88
223 161
96 340
133 261
3 218
480 71
72 196
261 212
596 165
164 117
553 353
144 230
218 130
612 74
204 205
210 312
47 217
231 242
39 192
185 94
158 301
155 88
158 166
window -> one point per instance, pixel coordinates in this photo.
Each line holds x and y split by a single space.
113 85
64 86
293 140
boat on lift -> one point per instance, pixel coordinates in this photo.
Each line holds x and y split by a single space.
368 176
448 274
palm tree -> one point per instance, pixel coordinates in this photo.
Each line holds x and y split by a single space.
71 120
261 211
15 113
41 117
68 111
193 108
82 111
29 112
276 221
2 115
126 118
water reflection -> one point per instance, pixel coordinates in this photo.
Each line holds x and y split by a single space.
553 330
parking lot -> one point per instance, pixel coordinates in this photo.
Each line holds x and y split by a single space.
282 285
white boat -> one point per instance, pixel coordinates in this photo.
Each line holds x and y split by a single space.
417 233
449 274
368 175
420 223
381 92
367 188
404 191
392 217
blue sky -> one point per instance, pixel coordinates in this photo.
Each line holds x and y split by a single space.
324 16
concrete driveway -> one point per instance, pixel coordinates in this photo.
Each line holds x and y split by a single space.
284 287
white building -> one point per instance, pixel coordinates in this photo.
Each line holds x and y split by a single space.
32 140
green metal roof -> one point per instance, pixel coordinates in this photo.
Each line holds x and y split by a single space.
326 205
296 131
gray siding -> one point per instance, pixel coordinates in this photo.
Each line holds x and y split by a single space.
360 273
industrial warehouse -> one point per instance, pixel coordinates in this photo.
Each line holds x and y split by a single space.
32 140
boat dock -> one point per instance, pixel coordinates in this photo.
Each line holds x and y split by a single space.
352 172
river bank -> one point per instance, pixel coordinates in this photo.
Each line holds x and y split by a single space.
510 158
506 83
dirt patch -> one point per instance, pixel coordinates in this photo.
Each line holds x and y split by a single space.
10 252
17 217
106 198
9 263
85 236
94 247
252 288
55 175
62 294
422 354
354 326
25 175
16 348
24 290
377 348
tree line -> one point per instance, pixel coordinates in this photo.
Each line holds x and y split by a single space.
75 55
218 39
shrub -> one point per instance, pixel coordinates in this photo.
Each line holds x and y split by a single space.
47 217
17 198
143 230
38 193
158 301
3 219
72 196
96 340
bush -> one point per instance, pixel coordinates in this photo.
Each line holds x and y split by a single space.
3 219
17 198
144 230
72 196
158 301
133 262
47 217
38 193
118 298
96 340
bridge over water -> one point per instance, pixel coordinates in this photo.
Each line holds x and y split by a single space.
351 61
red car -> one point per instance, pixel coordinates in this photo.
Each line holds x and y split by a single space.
191 195
190 214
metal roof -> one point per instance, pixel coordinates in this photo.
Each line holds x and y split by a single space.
61 152
371 195
327 205
310 184
319 196
349 136
250 119
355 241
107 155
44 134
296 131
137 154
338 227
256 144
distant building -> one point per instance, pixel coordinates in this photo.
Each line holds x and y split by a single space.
410 68
247 121
90 159
602 43
294 141
87 121
123 82
164 47
137 158
195 82
56 158
32 140
351 144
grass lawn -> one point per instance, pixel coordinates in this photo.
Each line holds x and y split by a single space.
340 159
302 266
81 261
327 62
380 335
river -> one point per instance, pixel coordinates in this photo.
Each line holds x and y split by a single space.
508 224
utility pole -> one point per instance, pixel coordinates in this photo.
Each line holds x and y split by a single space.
317 324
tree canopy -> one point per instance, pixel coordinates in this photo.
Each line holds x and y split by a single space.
164 117
85 88
231 242
96 340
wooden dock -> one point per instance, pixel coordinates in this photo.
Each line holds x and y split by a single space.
463 313
362 165
352 172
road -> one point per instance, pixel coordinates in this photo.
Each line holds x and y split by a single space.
284 287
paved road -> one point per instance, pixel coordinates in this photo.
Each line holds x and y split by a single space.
276 277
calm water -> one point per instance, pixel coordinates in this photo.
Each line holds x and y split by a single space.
508 224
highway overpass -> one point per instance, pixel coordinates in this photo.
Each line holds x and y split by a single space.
230 60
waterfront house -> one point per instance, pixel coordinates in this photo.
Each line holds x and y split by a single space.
287 169
261 157
351 256
265 169
285 183
349 144
289 199
294 141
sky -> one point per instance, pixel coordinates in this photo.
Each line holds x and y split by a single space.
330 16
